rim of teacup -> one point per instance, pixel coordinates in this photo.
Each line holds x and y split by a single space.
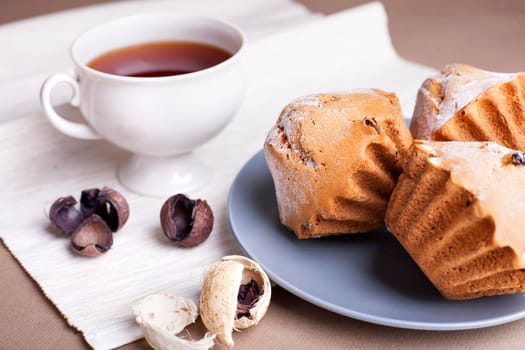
235 56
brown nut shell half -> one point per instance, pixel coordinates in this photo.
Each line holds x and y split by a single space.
93 237
107 203
220 299
186 222
115 208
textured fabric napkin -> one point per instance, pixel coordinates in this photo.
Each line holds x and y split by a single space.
348 50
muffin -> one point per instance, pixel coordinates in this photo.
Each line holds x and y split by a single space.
464 103
335 159
459 211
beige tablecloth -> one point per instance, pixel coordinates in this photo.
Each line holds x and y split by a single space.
485 33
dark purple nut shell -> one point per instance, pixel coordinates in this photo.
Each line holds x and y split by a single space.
64 215
93 237
186 222
248 295
88 201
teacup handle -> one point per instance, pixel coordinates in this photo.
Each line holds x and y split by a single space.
78 130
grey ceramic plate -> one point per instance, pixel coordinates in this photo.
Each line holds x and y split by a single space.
368 277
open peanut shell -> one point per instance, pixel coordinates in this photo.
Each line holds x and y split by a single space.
236 295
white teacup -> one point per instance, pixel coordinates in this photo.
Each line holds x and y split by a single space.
159 119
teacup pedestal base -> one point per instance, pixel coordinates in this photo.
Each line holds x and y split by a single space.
163 176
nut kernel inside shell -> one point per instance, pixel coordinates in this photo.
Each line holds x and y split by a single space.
253 271
219 301
246 298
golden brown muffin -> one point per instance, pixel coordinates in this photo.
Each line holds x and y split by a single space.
459 211
464 103
335 159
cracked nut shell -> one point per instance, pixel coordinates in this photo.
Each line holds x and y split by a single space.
236 295
186 222
64 215
102 212
93 237
107 203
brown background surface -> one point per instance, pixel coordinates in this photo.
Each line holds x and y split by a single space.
485 33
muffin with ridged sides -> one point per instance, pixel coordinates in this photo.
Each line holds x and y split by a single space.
463 103
335 159
459 211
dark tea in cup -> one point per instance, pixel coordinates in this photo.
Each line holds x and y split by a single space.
159 59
